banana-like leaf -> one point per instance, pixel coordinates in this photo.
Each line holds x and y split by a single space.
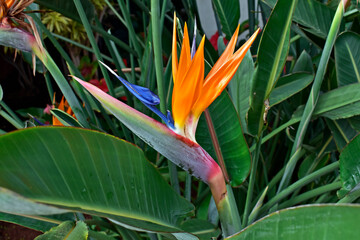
91 172
180 150
273 48
311 222
347 58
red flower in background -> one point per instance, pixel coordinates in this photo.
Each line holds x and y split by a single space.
100 84
214 40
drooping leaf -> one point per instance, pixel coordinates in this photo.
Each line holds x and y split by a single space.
233 146
273 48
325 221
229 14
16 38
349 167
289 85
67 230
90 172
68 9
240 87
347 58
13 203
31 223
312 15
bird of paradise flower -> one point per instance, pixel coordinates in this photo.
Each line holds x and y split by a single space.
191 96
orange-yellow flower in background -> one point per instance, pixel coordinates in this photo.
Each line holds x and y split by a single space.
191 93
64 106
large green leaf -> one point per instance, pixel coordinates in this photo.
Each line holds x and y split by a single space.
233 146
240 87
314 16
347 58
274 45
229 14
91 172
312 222
349 166
68 9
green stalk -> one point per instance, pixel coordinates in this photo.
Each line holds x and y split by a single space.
156 36
49 86
59 78
350 197
310 194
300 183
314 94
93 43
229 214
11 120
130 28
11 112
250 189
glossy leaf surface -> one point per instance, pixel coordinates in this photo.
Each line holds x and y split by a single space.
311 222
229 134
90 172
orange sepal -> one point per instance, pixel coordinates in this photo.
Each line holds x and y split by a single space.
216 82
187 91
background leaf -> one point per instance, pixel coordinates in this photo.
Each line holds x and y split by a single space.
240 87
91 172
229 13
312 15
347 58
349 166
273 48
67 230
68 9
331 222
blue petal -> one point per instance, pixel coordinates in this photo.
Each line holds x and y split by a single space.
147 97
193 44
143 94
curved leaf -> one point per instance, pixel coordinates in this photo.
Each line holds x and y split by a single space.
330 222
347 58
233 146
273 48
289 85
349 166
91 172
